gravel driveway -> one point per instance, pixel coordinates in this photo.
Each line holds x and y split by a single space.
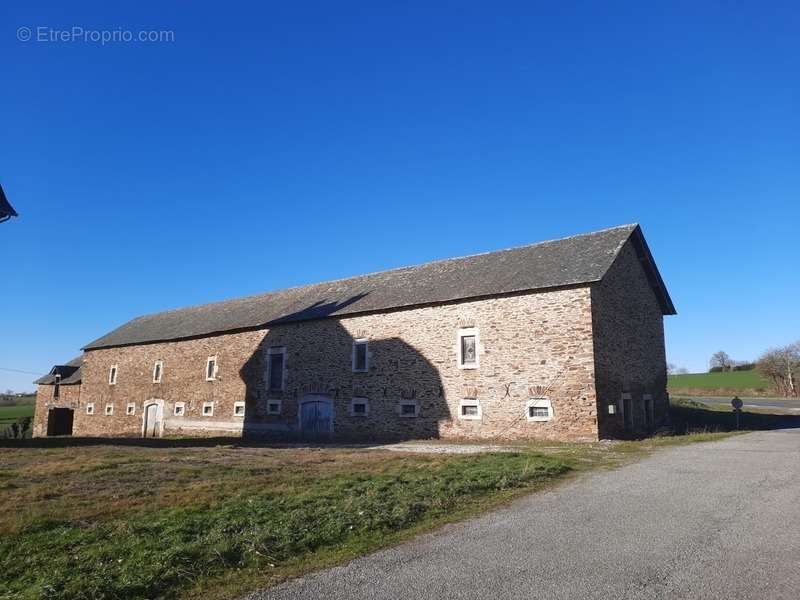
713 520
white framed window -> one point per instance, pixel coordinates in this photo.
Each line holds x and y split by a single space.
468 339
276 367
109 410
179 409
408 408
211 368
158 371
470 409
273 407
359 407
360 356
208 409
90 408
539 409
112 375
130 409
238 409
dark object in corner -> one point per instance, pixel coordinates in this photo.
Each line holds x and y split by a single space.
6 210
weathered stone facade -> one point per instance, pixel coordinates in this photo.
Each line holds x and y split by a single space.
581 347
69 396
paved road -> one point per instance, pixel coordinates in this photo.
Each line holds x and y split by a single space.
715 520
789 404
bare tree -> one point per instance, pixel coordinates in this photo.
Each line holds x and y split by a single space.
720 360
782 367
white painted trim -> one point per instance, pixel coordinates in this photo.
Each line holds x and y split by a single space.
108 411
156 365
359 400
539 402
207 405
181 406
270 402
238 405
216 368
90 408
270 352
402 403
130 409
470 402
113 373
360 342
464 332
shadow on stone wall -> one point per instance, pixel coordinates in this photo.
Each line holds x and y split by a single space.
320 383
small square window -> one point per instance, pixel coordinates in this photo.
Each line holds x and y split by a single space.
470 410
211 368
90 409
112 375
408 408
539 409
468 348
158 369
130 409
238 409
359 407
274 407
109 409
208 409
179 409
360 356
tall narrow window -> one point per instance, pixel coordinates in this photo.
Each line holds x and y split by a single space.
158 369
468 348
275 366
56 386
112 375
360 356
211 368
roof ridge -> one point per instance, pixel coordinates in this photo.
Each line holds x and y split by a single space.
392 270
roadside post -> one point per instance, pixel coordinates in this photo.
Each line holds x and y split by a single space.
737 404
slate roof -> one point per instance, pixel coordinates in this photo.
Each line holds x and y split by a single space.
70 373
575 260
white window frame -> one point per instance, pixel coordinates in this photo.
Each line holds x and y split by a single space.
403 403
237 405
179 409
207 405
468 332
108 411
470 402
360 342
216 368
113 372
358 400
270 403
90 408
158 366
270 352
539 402
130 409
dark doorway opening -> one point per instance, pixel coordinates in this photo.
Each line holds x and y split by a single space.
59 421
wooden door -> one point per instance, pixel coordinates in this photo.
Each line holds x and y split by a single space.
316 417
152 420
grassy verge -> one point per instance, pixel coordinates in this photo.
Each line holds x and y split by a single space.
744 383
114 521
688 415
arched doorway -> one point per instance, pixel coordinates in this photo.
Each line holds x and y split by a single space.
315 415
153 419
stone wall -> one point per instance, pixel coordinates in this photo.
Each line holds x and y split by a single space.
628 345
69 396
535 344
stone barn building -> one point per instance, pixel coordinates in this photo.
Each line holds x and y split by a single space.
560 340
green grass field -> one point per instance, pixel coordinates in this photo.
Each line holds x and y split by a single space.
734 380
9 414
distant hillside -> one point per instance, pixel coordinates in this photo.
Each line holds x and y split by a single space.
745 383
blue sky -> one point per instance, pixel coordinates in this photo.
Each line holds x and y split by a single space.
271 145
